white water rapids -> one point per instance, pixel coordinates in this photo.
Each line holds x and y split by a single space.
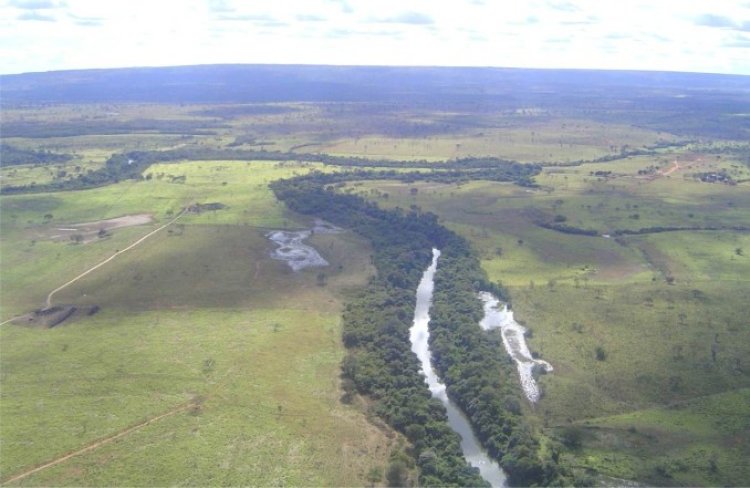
419 335
514 341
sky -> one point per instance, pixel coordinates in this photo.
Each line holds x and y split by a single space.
665 35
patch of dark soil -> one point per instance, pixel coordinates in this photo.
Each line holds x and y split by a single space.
202 207
48 318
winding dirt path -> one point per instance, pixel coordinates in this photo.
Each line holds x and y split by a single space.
12 319
100 442
117 253
675 167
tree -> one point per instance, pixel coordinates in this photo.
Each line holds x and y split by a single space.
397 474
572 437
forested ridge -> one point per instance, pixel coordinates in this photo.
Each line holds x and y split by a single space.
380 364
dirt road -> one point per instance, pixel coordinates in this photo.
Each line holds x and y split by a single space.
48 303
98 443
675 167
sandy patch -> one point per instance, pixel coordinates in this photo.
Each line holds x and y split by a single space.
91 231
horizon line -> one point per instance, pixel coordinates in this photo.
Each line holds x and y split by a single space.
404 66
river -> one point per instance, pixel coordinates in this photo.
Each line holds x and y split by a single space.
419 335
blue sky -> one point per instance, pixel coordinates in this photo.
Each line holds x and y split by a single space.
698 36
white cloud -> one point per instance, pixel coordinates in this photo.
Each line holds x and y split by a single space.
38 35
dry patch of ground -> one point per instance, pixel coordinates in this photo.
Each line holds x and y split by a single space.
90 231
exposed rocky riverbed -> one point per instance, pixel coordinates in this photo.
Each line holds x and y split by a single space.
296 253
514 340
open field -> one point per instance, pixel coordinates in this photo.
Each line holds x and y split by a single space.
192 317
517 136
702 441
36 259
261 417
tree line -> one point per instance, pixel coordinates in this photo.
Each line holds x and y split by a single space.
131 165
14 156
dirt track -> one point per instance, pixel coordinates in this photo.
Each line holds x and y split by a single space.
675 167
98 443
48 303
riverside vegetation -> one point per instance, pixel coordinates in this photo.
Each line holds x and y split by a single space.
619 235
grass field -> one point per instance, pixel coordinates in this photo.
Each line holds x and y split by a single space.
702 441
515 136
264 418
199 313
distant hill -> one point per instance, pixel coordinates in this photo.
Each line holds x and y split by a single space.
307 83
682 103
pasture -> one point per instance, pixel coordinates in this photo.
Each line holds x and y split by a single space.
197 322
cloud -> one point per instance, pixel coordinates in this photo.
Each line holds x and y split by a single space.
220 6
564 6
712 20
36 4
349 34
412 18
557 40
344 5
86 21
578 22
310 18
616 36
36 16
262 20
588 20
738 41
